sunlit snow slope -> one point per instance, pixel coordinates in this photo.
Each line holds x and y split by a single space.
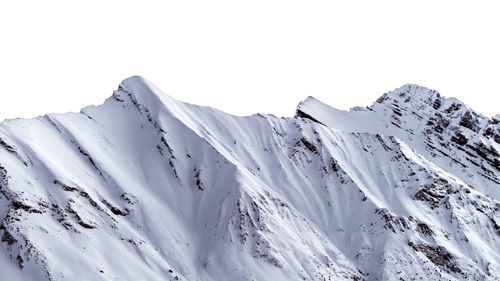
145 187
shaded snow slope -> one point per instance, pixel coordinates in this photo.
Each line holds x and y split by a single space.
145 187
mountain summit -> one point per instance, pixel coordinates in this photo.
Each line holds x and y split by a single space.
144 187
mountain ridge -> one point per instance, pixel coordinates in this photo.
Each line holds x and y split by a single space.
147 187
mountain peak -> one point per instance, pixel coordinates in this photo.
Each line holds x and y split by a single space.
418 101
140 88
412 93
310 104
144 95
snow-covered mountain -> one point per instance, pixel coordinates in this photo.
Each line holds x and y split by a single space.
144 187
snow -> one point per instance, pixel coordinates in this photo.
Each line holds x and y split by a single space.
144 187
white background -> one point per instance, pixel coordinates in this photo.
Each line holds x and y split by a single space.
246 57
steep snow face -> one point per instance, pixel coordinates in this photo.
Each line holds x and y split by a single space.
145 187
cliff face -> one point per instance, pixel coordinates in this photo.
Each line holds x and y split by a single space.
145 187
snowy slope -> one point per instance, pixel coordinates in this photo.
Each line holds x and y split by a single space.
145 187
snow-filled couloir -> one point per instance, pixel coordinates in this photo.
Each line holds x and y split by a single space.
144 187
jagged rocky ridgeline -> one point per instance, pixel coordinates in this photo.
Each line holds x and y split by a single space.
144 187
